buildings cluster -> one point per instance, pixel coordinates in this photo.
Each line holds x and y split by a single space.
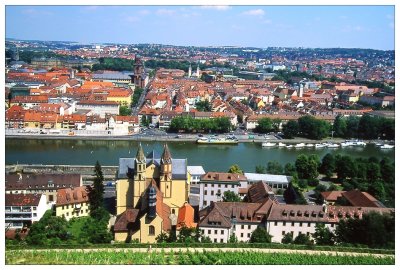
158 194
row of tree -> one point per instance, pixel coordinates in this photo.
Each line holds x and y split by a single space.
365 127
190 124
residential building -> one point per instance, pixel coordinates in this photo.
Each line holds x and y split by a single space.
46 184
99 107
352 197
214 184
73 202
21 210
274 181
195 173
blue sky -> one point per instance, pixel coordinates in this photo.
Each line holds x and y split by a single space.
258 26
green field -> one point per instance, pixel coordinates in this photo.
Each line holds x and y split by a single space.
185 257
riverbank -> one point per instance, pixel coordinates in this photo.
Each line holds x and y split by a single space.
172 138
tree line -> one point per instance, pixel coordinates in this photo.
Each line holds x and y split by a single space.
190 124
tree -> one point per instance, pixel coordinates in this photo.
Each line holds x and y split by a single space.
261 169
287 238
340 126
96 194
95 231
307 167
47 229
345 167
313 128
273 167
230 196
290 129
327 166
232 238
235 169
162 238
124 111
203 106
260 235
302 239
264 125
290 169
205 239
189 235
323 236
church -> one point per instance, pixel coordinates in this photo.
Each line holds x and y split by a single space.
152 193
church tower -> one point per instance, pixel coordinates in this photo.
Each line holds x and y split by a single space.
198 71
139 179
138 77
190 71
166 172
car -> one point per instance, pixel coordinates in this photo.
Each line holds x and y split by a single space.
200 135
178 136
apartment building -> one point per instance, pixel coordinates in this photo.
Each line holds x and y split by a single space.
21 210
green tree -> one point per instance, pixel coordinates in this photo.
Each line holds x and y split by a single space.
261 169
352 123
47 229
235 169
307 167
162 238
203 106
264 125
124 111
260 235
95 231
302 239
340 126
290 129
232 238
290 169
323 236
345 167
313 128
287 238
205 239
230 196
96 194
274 167
327 166
189 235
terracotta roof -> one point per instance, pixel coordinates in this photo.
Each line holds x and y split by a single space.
358 198
73 195
220 176
129 216
220 214
186 216
259 192
30 99
97 102
22 199
332 195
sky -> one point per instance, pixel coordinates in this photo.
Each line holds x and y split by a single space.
257 26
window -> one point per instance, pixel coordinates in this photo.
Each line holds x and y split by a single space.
51 198
209 231
292 223
212 192
173 211
248 235
332 225
309 224
205 185
205 192
204 202
203 231
219 185
152 230
67 214
241 235
283 232
62 207
81 211
301 224
284 223
212 185
308 233
34 208
215 240
215 231
249 227
221 240
222 232
226 186
34 214
242 227
276 223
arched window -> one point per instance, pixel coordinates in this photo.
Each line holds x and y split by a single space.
152 230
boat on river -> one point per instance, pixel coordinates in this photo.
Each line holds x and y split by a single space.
216 140
268 144
387 146
281 145
300 145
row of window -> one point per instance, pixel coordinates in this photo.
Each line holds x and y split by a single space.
292 233
75 213
68 206
300 224
219 185
8 208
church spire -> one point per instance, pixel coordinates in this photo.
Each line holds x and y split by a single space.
140 155
166 156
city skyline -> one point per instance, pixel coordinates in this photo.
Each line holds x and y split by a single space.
246 26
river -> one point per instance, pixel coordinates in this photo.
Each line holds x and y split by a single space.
211 157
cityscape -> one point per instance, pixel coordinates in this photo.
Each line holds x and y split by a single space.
268 141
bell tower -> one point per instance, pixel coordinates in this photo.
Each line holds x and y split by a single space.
139 180
166 172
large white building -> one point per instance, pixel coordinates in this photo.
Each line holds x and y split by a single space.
273 180
214 184
99 107
21 210
195 173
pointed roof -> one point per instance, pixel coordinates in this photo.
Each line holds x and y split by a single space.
140 155
166 156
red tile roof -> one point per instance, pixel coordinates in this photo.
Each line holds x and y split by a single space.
22 199
73 195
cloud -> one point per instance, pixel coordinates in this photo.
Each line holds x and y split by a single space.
167 12
220 8
131 19
254 12
32 11
267 21
144 12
